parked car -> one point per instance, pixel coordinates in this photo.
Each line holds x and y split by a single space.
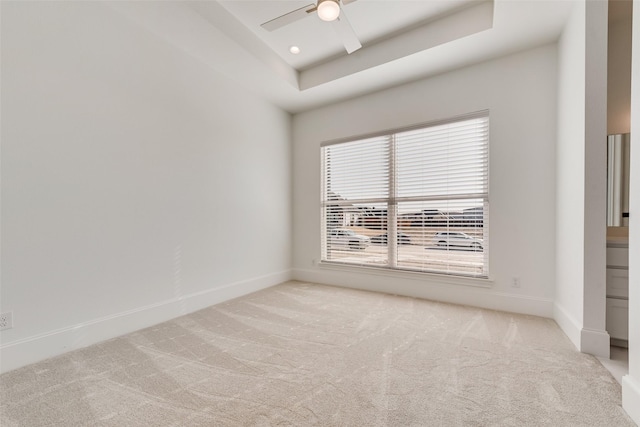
381 239
341 237
457 239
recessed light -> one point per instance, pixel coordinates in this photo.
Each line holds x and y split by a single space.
294 49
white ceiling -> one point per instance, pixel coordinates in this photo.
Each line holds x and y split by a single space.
371 19
403 40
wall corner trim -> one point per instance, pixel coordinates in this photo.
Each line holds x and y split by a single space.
33 349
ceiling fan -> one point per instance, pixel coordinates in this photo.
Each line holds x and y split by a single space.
327 10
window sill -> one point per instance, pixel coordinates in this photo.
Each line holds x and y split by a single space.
478 282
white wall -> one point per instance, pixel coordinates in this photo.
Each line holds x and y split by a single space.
520 92
570 176
631 382
580 299
137 184
595 339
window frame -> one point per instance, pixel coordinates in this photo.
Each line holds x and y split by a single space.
392 200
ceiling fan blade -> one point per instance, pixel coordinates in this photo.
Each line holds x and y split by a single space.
348 1
346 33
288 18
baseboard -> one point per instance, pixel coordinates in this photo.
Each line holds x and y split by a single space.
432 289
591 341
595 342
568 324
631 397
53 343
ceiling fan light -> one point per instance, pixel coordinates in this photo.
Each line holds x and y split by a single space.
328 10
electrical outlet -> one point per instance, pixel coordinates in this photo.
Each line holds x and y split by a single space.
6 320
515 282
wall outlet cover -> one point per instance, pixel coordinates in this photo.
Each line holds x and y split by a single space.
6 320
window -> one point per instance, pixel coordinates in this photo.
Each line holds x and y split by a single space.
415 199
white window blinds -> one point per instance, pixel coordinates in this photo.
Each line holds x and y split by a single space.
415 199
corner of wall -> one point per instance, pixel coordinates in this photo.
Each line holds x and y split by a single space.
568 324
34 349
591 341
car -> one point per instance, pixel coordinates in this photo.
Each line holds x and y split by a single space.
457 239
342 237
381 239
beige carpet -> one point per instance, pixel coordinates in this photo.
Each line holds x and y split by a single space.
300 355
